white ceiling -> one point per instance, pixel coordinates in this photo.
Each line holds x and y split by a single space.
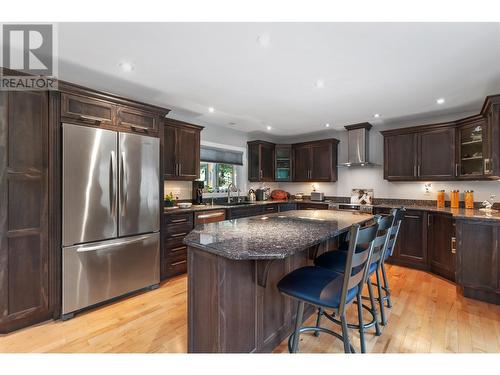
395 69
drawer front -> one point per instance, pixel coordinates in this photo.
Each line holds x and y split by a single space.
137 120
174 265
312 206
205 217
240 212
287 207
178 230
184 218
87 110
270 208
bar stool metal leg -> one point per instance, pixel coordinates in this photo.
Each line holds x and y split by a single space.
386 286
345 334
318 321
298 322
383 318
361 325
374 310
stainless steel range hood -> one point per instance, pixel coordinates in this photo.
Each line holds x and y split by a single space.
357 145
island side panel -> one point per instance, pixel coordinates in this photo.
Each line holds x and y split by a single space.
229 312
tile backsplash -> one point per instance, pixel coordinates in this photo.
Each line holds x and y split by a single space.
180 189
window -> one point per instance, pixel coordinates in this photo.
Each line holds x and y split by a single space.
217 176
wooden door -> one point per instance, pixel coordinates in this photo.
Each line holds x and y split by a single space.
436 154
411 247
24 254
267 162
321 161
439 244
138 120
169 150
400 157
253 162
471 150
492 162
301 162
188 153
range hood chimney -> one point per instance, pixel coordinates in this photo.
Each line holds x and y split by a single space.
357 145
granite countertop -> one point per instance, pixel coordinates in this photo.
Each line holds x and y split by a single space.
457 213
274 236
208 207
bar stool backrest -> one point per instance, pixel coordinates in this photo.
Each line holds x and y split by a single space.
398 214
358 258
381 241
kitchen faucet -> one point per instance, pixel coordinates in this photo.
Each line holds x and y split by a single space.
232 187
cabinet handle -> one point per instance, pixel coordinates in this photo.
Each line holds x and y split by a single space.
453 245
207 216
415 170
260 174
178 263
178 249
180 169
92 118
179 220
487 167
457 173
178 235
412 216
418 170
428 220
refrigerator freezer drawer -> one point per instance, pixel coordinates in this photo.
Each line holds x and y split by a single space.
97 272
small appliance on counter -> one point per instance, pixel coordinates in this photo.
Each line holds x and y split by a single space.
362 196
299 196
279 195
262 194
317 196
198 187
251 195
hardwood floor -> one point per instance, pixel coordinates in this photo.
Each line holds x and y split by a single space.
428 316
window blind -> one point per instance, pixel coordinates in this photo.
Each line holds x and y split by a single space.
218 155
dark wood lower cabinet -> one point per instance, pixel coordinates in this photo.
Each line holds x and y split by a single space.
228 311
25 259
478 259
312 206
441 244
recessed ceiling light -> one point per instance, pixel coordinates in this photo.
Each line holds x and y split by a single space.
320 84
264 40
268 127
211 109
440 101
231 123
126 66
376 115
327 125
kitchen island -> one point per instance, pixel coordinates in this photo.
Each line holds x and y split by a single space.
234 267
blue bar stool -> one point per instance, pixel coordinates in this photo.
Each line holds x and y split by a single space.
398 214
336 260
327 289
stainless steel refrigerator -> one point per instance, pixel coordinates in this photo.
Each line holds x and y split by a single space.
111 220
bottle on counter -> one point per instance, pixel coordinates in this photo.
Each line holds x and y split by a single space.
469 199
440 199
455 199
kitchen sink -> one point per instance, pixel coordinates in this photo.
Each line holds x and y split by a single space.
235 203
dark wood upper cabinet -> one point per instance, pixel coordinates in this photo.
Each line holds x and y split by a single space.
441 244
315 161
283 163
24 219
400 157
466 149
260 161
137 120
436 154
181 150
301 162
84 106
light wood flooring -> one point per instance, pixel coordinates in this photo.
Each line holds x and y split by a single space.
428 316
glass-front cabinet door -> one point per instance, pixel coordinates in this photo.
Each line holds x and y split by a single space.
471 150
283 163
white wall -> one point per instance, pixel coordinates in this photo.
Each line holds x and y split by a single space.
373 177
349 178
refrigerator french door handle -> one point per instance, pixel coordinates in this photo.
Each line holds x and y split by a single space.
123 186
112 184
107 246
